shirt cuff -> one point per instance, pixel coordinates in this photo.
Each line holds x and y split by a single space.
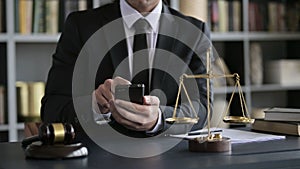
158 124
98 116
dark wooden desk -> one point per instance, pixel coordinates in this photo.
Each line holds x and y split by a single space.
271 154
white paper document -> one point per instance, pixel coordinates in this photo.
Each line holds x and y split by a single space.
236 136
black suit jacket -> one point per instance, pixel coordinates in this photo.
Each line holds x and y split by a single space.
57 104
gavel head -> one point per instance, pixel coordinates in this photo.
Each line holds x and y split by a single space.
51 133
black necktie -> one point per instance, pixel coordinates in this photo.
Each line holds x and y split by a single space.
140 71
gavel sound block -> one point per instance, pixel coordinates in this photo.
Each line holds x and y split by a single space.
54 141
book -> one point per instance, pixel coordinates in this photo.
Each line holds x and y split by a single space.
272 8
291 15
256 63
3 65
82 5
195 8
22 99
3 11
289 128
39 16
17 18
29 95
223 16
282 114
70 6
237 15
2 104
52 16
251 13
1 16
36 93
281 17
230 15
25 16
214 16
273 16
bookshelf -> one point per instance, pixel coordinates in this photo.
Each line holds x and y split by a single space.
23 57
235 48
28 57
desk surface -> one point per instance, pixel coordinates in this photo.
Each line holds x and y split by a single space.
271 154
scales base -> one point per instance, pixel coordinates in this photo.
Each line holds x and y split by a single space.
215 145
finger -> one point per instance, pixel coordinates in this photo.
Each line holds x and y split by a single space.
103 92
121 120
129 124
101 100
131 116
134 121
131 107
124 122
151 100
102 103
106 89
142 114
104 110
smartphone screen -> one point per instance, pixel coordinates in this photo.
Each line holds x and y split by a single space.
133 93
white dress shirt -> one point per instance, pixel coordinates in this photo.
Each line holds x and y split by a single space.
130 16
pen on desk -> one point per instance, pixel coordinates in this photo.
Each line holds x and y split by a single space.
203 132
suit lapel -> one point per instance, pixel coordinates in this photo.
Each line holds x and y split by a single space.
167 24
117 49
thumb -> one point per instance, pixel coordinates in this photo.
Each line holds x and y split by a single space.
151 100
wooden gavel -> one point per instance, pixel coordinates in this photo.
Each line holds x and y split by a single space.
52 133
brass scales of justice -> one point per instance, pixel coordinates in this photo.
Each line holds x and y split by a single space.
211 142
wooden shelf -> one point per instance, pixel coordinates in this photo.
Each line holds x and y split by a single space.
228 89
3 37
273 87
4 127
20 126
269 36
254 36
227 36
36 38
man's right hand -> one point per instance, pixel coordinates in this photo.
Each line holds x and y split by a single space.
105 92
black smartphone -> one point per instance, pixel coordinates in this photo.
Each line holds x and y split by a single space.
133 93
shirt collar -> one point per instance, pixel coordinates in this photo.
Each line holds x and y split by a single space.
130 15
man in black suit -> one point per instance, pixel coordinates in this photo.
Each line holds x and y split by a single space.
129 118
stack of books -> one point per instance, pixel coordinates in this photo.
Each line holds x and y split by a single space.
279 120
44 16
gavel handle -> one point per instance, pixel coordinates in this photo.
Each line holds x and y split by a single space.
27 141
